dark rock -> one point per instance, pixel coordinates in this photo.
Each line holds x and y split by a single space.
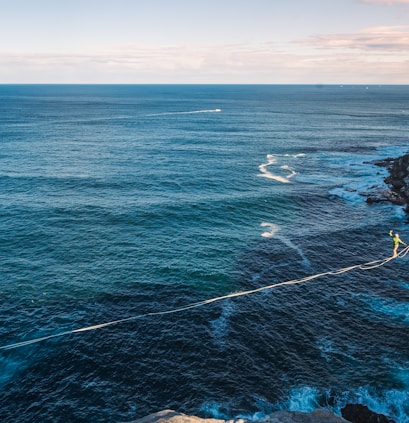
385 196
357 413
397 191
399 176
384 162
317 416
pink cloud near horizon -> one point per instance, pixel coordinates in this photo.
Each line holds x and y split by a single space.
388 38
386 2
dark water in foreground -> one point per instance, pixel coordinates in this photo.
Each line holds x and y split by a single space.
119 201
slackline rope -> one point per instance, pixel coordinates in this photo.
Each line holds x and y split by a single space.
365 266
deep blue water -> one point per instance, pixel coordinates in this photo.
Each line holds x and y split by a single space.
120 201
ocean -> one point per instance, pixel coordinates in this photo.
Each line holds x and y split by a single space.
133 205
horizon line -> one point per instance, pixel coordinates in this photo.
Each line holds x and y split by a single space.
318 84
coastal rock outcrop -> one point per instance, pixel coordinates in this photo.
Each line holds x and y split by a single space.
357 413
317 416
397 189
351 413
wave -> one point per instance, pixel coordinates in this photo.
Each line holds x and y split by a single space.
305 399
272 160
393 403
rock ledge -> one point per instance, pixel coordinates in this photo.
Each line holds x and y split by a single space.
317 416
397 190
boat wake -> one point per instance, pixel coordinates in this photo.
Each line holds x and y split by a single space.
191 112
272 232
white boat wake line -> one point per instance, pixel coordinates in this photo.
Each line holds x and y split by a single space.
272 232
191 112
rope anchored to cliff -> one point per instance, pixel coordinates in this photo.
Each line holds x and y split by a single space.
365 266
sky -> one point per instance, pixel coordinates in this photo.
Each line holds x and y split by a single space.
204 41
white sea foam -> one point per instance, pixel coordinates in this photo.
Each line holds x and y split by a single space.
272 232
272 229
220 325
303 399
393 403
273 161
362 175
214 409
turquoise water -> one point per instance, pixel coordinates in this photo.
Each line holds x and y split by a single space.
119 201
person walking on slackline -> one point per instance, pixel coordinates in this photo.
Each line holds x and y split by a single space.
396 241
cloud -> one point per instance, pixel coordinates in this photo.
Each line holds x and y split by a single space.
142 63
386 2
319 59
392 39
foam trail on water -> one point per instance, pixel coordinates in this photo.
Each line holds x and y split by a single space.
191 112
271 161
273 229
220 325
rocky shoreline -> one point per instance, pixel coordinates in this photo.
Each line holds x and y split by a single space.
396 190
352 413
